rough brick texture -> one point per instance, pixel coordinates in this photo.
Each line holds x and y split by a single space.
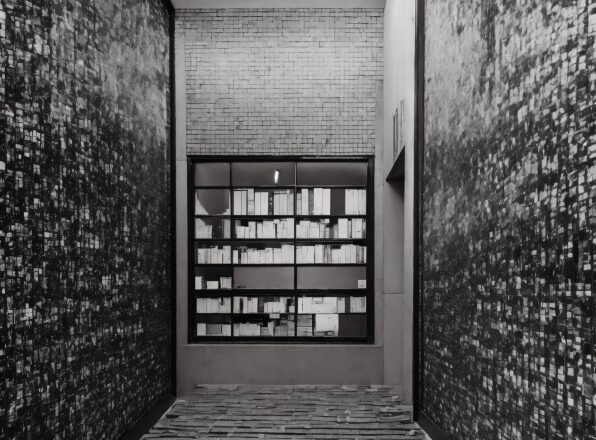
285 81
510 219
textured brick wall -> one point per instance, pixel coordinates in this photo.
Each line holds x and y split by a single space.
510 219
84 216
286 81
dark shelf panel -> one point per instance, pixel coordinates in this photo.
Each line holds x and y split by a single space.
257 187
251 292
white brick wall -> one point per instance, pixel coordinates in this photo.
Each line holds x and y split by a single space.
281 81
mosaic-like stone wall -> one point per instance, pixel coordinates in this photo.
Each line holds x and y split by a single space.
85 221
510 218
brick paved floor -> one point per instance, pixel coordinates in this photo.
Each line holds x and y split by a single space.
287 412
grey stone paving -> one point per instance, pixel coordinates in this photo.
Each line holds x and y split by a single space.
288 412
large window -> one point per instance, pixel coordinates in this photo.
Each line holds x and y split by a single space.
281 251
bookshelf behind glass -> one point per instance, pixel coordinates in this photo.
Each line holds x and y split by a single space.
281 250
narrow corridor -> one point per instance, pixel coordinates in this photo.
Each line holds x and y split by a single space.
287 412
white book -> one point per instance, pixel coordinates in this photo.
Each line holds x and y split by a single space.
319 250
342 228
260 230
306 305
327 322
341 305
252 230
349 202
243 202
275 203
201 329
250 205
237 202
362 201
198 282
265 202
359 228
290 209
326 201
318 205
257 203
305 201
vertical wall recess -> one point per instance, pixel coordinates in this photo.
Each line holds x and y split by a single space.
85 237
510 218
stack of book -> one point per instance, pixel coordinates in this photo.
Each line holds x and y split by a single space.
214 305
315 229
351 228
313 201
278 228
223 283
214 255
247 329
272 255
243 304
204 329
203 230
331 254
357 304
304 325
355 200
251 202
344 228
321 305
326 324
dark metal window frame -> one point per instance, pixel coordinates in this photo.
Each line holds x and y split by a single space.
369 292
